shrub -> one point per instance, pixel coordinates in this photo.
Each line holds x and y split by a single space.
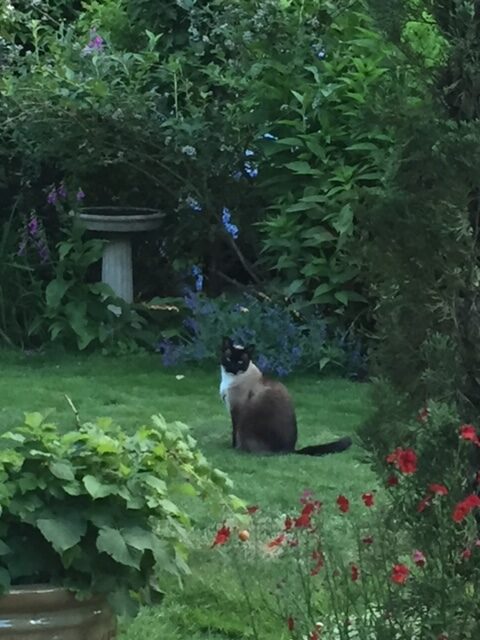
99 511
285 341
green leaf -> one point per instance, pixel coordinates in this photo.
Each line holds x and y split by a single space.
138 538
55 291
63 533
33 420
342 296
111 541
62 469
96 489
303 168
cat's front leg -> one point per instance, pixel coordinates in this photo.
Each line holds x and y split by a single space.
234 417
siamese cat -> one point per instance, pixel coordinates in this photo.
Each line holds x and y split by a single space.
261 410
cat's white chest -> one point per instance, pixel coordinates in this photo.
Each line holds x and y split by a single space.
226 380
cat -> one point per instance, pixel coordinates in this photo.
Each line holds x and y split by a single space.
261 410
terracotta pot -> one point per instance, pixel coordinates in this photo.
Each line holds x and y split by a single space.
48 613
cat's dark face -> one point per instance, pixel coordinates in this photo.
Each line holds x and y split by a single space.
235 358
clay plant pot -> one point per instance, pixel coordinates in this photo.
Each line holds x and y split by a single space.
49 613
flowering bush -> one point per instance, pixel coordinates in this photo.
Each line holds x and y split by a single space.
284 341
407 563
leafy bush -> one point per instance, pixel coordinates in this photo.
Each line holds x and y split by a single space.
284 340
98 511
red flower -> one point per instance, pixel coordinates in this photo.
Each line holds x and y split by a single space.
367 540
304 519
463 508
252 510
438 489
468 432
466 554
222 536
423 504
404 459
407 461
290 623
354 572
288 523
368 499
392 481
419 558
313 636
400 573
343 504
276 542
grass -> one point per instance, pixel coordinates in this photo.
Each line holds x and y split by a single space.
130 390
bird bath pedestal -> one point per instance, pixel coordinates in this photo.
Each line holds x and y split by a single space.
117 229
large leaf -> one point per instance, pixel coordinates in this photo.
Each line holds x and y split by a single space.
63 533
112 542
96 489
55 292
62 469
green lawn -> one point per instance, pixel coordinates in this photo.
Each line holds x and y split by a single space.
130 389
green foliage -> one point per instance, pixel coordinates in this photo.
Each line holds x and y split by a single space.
99 511
329 148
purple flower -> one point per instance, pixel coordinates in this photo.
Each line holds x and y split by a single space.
269 136
33 226
319 51
230 228
21 248
52 196
249 153
96 44
198 275
62 191
80 195
236 175
43 252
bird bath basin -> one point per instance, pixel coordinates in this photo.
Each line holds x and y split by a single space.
117 225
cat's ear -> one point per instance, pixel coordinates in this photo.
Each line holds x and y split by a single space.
250 349
226 343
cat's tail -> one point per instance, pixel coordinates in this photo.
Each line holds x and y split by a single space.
330 447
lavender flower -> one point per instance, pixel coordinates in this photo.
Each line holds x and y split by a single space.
52 196
230 228
80 195
236 175
33 226
319 51
249 153
269 136
198 275
188 150
62 191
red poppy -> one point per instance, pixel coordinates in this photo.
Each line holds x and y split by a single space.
367 540
343 504
392 481
252 510
288 523
404 459
463 508
290 623
400 573
276 542
468 432
368 499
354 572
438 489
407 461
423 504
222 536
